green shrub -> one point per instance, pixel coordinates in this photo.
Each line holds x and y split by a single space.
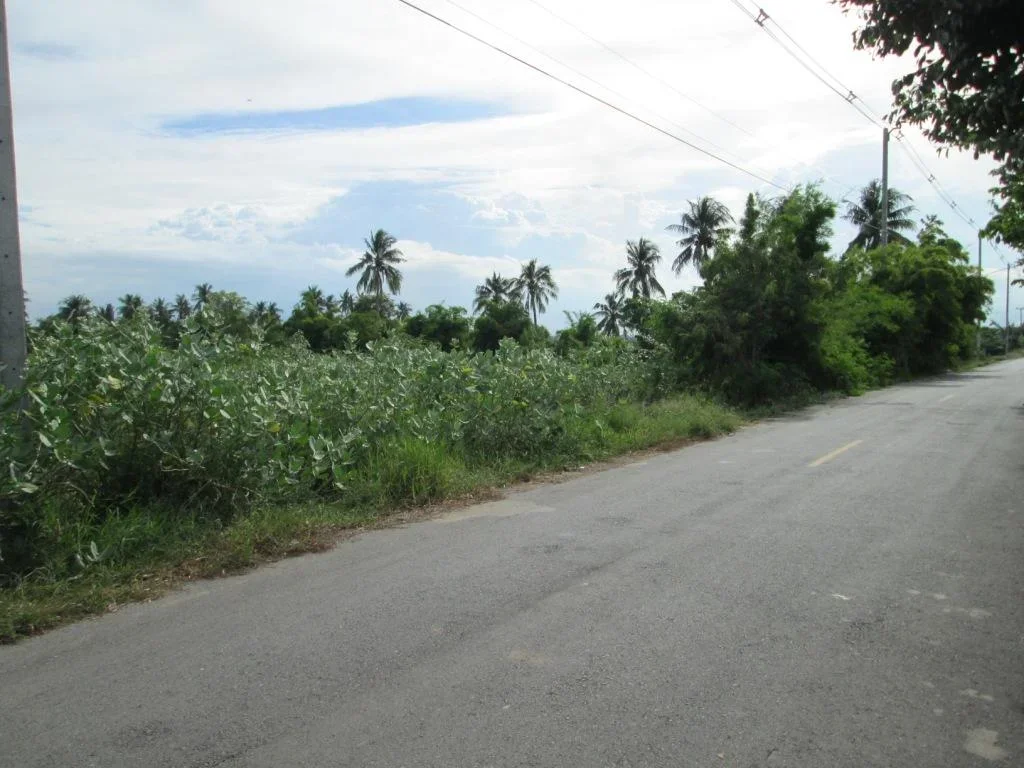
121 430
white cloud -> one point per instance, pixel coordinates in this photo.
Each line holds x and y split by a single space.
104 181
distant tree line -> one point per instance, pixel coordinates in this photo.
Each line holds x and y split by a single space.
775 313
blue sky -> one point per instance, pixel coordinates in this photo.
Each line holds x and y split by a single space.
386 113
254 147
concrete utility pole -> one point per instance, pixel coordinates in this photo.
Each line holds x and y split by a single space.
1006 336
12 294
978 333
1020 316
885 186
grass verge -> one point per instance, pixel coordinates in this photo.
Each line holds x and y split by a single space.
142 554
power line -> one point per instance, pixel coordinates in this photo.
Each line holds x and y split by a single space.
599 84
762 19
823 174
590 95
638 67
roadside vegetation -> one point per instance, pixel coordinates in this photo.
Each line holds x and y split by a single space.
191 437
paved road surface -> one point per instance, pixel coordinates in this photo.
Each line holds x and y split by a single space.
840 588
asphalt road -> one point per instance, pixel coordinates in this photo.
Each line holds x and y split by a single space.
839 588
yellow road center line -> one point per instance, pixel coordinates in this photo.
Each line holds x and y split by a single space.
836 452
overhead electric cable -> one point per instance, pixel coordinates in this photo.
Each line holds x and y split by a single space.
599 84
638 67
588 94
819 71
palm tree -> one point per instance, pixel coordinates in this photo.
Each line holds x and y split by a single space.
638 276
378 265
259 312
347 302
931 231
74 308
130 305
609 314
495 288
536 286
702 229
202 295
866 214
312 301
331 305
160 312
108 313
182 307
403 310
273 312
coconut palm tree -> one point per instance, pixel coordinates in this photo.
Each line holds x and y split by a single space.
130 306
108 313
313 301
536 287
378 265
866 214
273 312
403 310
202 295
259 312
609 314
638 276
495 288
702 228
182 306
347 302
161 313
74 308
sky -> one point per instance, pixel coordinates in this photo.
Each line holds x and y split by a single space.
254 145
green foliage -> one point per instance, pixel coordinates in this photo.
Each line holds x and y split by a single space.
776 317
966 90
1007 225
751 331
499 320
445 326
120 425
582 332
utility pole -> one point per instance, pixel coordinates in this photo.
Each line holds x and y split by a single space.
12 295
978 330
1006 343
1020 316
885 186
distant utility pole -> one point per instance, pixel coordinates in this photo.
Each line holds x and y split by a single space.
12 294
885 186
978 334
1006 335
1020 316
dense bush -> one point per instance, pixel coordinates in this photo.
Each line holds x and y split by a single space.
777 318
116 420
